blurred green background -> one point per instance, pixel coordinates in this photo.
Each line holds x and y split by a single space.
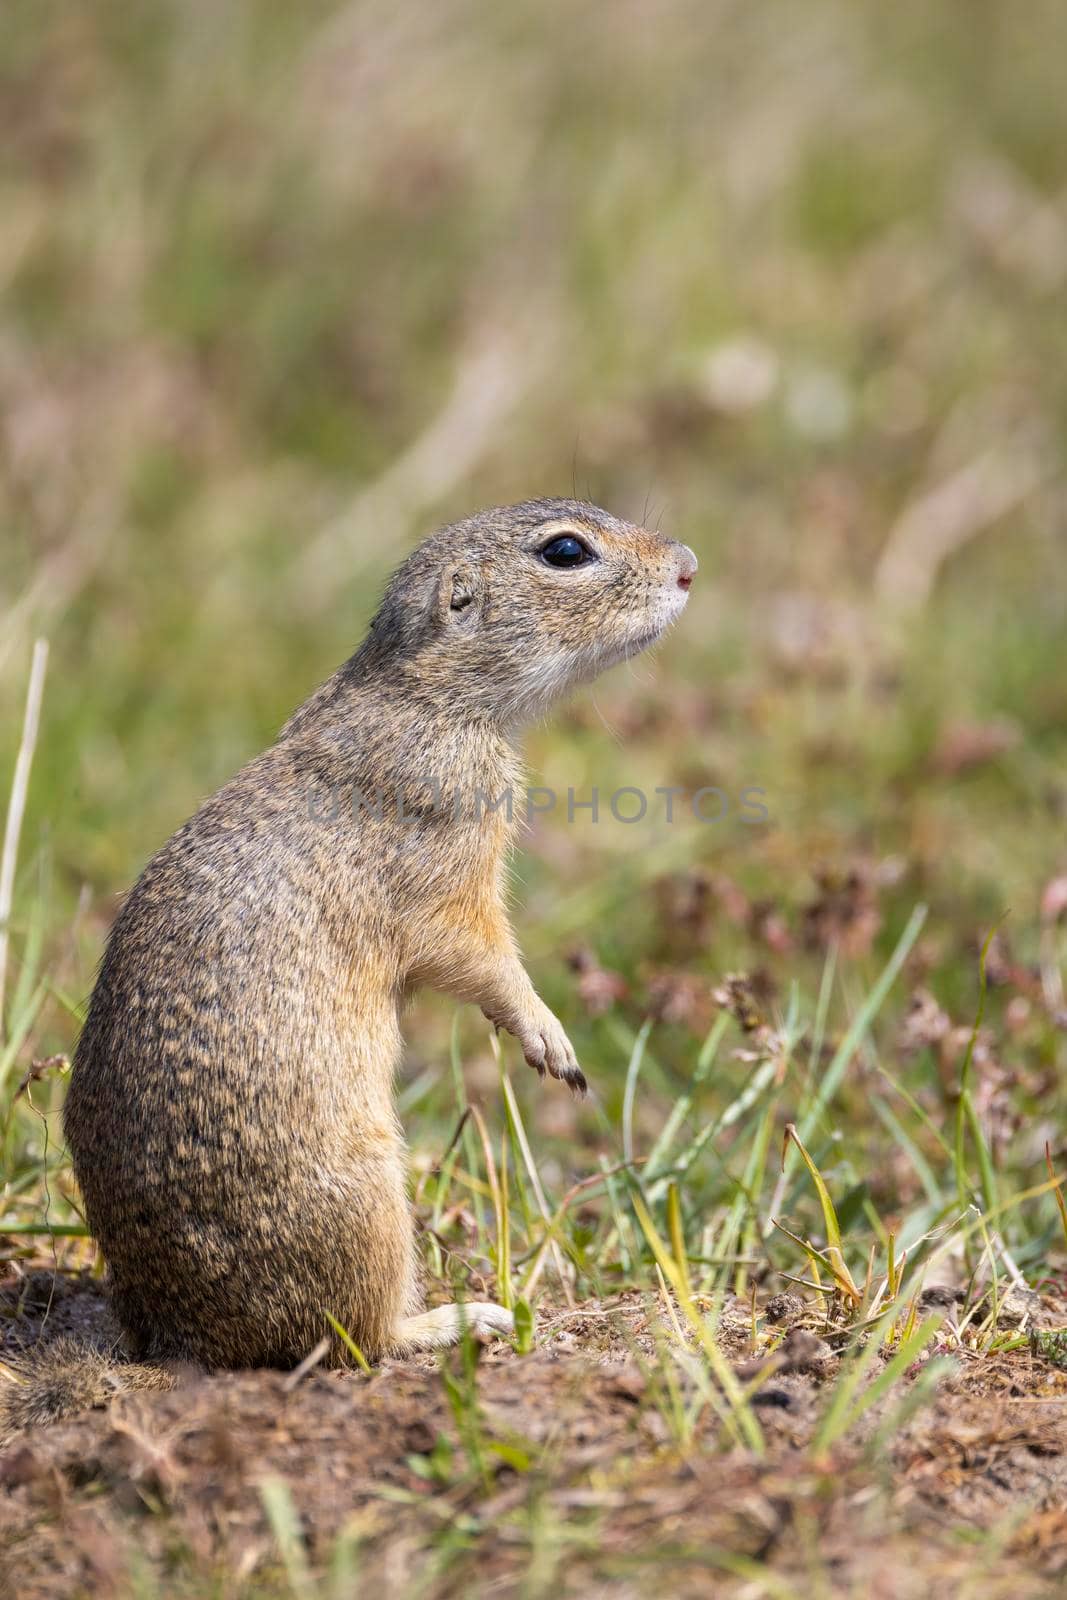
287 286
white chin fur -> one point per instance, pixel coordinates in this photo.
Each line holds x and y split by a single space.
644 638
554 674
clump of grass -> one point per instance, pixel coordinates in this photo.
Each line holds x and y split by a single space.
677 1223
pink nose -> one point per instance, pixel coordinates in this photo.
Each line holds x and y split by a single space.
687 566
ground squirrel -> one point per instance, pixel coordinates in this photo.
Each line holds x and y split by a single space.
230 1113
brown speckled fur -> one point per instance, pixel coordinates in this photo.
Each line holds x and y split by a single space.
230 1113
66 1376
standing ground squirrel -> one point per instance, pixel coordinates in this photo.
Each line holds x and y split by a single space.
230 1113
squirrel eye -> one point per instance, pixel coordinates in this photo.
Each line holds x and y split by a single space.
566 551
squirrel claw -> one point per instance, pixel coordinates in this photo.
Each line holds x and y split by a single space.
551 1051
574 1078
547 1048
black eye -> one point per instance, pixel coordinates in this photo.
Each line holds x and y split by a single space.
566 551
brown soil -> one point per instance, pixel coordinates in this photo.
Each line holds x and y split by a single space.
585 1488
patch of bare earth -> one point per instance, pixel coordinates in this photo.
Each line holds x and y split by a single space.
562 1473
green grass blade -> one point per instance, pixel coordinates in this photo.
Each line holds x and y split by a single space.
633 1068
683 1106
288 1535
745 1418
870 1008
349 1343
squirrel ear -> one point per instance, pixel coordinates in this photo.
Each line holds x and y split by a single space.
461 590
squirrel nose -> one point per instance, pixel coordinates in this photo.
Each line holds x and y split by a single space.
687 566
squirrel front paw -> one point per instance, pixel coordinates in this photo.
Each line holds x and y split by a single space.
547 1049
544 1043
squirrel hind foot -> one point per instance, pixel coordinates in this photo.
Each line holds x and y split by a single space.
445 1325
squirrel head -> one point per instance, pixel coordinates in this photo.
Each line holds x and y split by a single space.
500 615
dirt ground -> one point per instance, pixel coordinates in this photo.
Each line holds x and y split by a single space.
584 1488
